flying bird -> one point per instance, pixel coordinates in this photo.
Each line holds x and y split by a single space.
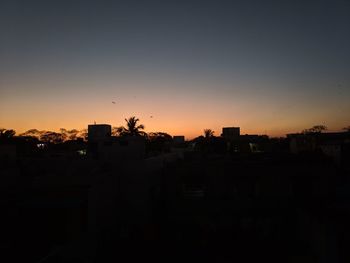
151 116
113 102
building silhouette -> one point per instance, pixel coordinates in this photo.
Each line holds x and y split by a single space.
231 133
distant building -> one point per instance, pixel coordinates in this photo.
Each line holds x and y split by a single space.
103 146
99 131
299 143
252 143
333 144
98 136
231 133
248 143
179 139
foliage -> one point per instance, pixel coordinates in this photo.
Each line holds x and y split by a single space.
83 134
6 134
315 129
69 134
132 128
52 137
159 136
56 137
116 131
208 133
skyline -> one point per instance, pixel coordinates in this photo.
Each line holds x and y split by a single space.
214 133
270 68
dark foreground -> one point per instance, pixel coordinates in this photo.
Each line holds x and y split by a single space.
200 209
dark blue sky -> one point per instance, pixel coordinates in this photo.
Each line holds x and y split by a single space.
282 64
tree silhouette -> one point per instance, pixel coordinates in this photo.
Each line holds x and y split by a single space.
116 131
132 129
6 134
208 133
315 129
159 136
72 134
69 134
82 134
52 137
64 134
32 133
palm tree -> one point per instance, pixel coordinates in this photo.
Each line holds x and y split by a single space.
132 129
116 131
208 133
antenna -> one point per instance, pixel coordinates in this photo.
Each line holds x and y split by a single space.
95 122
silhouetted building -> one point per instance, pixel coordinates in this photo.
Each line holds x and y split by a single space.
99 132
98 136
252 143
103 146
333 144
231 133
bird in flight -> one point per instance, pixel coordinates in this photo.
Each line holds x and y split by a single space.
151 116
113 102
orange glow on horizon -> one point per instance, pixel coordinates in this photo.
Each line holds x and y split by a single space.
176 129
174 111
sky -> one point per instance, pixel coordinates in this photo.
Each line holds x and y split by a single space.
269 67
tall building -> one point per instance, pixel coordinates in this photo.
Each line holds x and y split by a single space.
98 136
231 133
98 132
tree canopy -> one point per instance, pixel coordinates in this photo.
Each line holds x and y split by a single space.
315 129
132 128
6 134
208 133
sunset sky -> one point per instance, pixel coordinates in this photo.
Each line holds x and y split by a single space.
270 67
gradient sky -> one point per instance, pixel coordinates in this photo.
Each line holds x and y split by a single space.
267 66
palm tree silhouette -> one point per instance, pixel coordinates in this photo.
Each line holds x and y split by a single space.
132 129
